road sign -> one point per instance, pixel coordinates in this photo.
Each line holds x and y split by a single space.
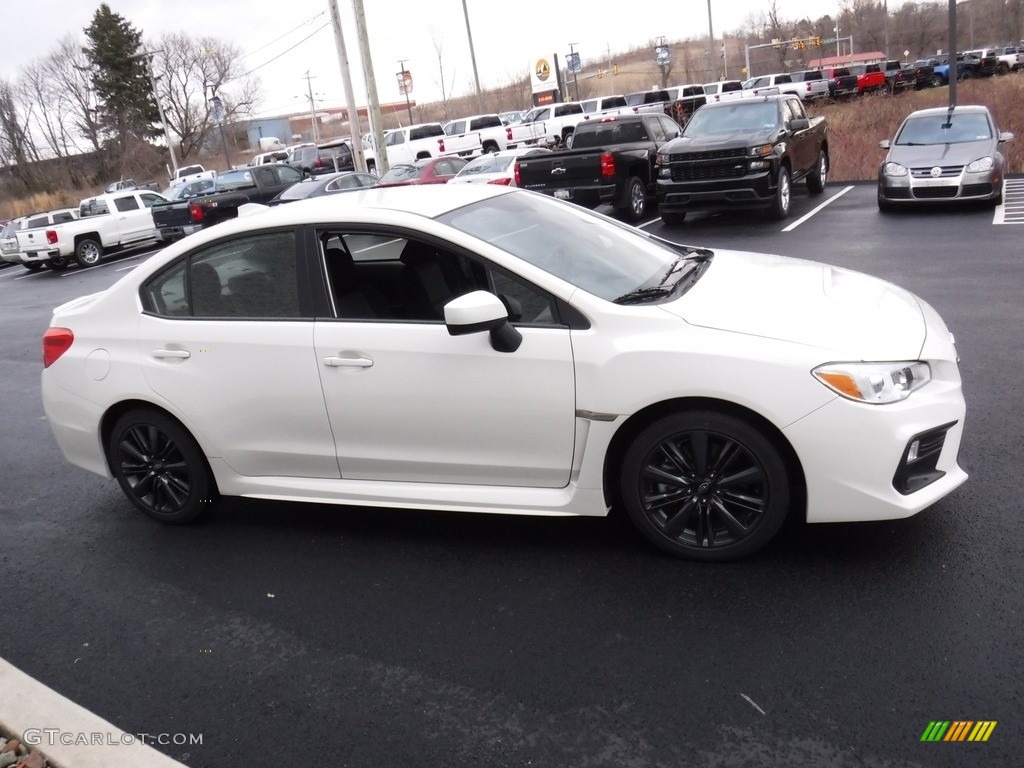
661 55
404 82
829 40
573 63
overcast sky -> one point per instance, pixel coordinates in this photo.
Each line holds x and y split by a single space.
507 36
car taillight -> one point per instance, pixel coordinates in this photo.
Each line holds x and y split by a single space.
56 341
196 212
440 145
508 133
518 177
51 236
506 181
607 164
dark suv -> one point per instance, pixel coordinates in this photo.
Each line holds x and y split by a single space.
333 156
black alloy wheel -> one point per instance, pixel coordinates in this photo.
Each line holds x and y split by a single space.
635 199
817 178
783 195
705 486
160 467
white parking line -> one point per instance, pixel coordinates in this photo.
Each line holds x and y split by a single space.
80 270
1012 209
31 274
804 218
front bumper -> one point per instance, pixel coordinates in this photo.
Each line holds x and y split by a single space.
986 185
752 190
854 455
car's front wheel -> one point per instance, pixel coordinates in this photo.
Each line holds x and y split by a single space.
672 219
705 485
160 467
783 193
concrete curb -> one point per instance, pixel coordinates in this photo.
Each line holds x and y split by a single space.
28 708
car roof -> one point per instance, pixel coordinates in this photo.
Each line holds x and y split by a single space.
959 109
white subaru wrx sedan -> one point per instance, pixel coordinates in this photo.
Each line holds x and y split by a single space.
484 349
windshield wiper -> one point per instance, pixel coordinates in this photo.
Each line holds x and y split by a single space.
640 295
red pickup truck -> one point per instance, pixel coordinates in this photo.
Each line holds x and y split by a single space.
870 77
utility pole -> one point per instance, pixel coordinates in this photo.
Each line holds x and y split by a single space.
405 87
472 58
885 8
711 34
160 107
312 108
358 158
371 87
218 116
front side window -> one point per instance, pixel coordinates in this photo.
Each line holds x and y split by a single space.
250 277
149 199
392 278
126 204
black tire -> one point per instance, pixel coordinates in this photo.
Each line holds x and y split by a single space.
936 81
88 252
1003 69
490 148
59 264
783 195
672 219
885 206
967 75
160 467
705 486
33 266
634 199
817 178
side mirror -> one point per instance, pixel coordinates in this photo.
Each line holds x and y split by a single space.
884 144
482 311
799 124
1005 136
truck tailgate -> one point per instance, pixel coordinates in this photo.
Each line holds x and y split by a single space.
171 215
562 170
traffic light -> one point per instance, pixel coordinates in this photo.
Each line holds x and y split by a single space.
799 45
817 42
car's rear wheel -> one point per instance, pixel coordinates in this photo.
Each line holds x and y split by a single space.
672 219
816 179
705 485
634 202
1003 69
160 467
937 81
88 252
59 264
783 194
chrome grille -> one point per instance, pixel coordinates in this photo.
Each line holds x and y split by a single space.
947 172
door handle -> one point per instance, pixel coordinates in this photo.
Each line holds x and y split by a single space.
171 354
351 362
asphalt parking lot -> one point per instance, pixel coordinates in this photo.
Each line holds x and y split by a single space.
356 637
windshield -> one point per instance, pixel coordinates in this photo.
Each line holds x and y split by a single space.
742 117
488 164
588 250
606 132
401 173
234 180
945 129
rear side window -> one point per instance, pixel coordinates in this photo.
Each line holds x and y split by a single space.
487 121
39 221
425 132
93 207
251 277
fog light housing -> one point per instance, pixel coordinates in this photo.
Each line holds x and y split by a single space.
918 466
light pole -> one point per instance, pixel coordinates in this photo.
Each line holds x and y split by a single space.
312 108
472 58
218 116
711 33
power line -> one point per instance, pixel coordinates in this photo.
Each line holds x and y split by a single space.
282 53
267 45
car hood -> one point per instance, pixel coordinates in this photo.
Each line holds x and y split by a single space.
854 316
960 153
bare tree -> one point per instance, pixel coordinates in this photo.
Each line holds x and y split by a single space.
17 149
190 72
439 81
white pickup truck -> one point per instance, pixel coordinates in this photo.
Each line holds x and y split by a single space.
554 123
189 173
106 222
495 134
415 142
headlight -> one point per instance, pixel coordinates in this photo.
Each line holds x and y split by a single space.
874 383
895 169
980 165
660 159
761 150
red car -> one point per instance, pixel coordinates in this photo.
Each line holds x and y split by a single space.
429 170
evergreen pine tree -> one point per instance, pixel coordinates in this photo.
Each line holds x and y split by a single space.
120 78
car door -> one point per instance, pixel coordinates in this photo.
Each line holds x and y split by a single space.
804 151
227 337
134 220
410 402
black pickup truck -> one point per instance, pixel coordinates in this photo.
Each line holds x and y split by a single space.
611 161
899 77
744 153
232 189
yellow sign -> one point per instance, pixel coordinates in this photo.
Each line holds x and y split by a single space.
543 69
